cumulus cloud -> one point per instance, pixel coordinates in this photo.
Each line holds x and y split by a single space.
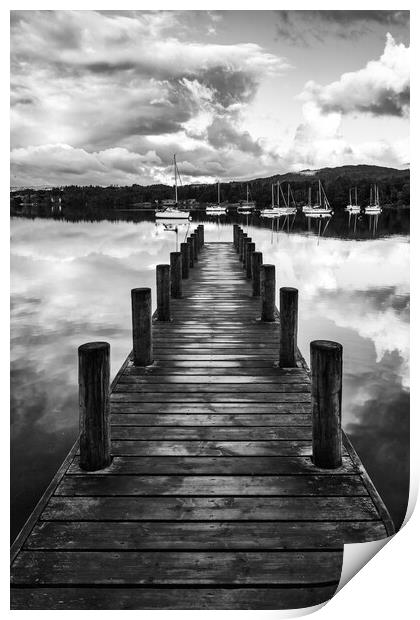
86 82
380 88
309 27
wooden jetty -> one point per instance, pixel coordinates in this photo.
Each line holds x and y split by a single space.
225 483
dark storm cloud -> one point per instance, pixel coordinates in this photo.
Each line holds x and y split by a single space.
306 27
222 133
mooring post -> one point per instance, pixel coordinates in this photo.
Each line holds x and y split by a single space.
248 242
141 314
195 246
238 238
240 242
235 236
191 251
201 232
176 274
248 264
244 240
185 260
268 292
256 262
327 370
163 289
288 326
95 429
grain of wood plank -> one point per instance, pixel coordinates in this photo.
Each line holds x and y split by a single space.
197 535
205 420
315 485
156 567
285 465
170 598
211 433
210 509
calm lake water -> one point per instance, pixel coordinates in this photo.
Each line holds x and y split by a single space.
71 284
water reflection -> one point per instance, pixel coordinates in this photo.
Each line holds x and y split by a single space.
71 283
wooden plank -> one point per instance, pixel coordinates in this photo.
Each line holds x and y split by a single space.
297 465
170 598
210 408
211 433
205 419
210 509
154 567
208 388
135 485
102 535
221 397
211 448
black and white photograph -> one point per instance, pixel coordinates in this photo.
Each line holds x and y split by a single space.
209 303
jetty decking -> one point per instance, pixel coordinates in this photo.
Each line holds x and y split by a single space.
212 499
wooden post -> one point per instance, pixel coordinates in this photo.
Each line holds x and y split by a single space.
327 369
194 238
288 326
185 254
235 236
191 248
256 262
240 242
238 238
95 429
242 254
268 292
176 274
248 266
141 313
163 296
248 242
201 231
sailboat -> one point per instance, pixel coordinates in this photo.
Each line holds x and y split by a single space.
173 213
271 211
322 207
308 206
373 208
247 206
353 208
216 209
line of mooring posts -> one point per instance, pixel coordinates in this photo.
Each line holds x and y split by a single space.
326 355
94 357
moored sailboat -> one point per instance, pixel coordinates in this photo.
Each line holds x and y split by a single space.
322 207
248 206
374 207
173 213
216 209
353 207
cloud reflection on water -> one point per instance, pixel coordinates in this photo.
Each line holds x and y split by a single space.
71 283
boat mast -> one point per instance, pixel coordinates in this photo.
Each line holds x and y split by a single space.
218 192
247 193
355 195
272 195
310 196
350 203
278 193
176 188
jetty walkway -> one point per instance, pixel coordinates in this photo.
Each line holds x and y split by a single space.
200 489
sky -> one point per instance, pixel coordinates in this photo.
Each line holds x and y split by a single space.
107 97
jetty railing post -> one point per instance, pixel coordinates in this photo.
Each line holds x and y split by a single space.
185 260
191 248
248 242
327 370
256 262
95 429
240 242
141 314
268 292
163 292
248 264
176 274
288 326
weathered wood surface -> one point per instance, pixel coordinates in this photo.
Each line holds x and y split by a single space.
212 500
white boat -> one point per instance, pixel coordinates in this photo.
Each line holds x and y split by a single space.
321 209
278 211
216 209
373 208
248 206
173 213
353 207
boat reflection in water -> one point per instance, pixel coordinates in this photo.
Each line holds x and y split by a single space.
175 227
